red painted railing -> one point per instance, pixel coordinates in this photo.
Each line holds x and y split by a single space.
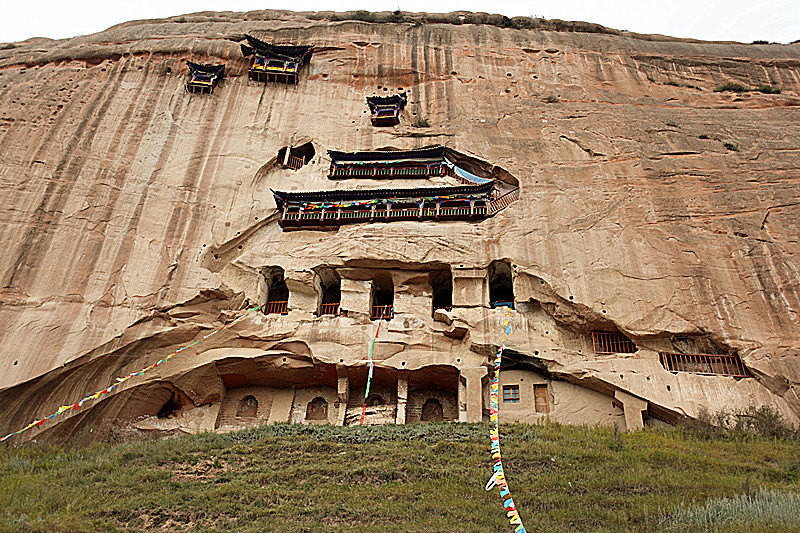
698 363
382 312
608 342
276 308
329 309
501 202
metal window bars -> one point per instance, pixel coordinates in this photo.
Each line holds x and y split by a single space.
277 308
708 364
608 342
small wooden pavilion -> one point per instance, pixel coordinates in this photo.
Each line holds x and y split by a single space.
385 110
271 62
203 78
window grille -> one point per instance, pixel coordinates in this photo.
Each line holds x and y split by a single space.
277 308
382 312
329 309
608 342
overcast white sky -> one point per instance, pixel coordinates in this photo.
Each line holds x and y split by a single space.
724 20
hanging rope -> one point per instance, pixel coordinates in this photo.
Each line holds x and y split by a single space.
369 374
498 477
119 381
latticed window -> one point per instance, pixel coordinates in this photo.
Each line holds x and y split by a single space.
510 393
607 342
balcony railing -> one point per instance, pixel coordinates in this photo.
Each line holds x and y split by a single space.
334 216
276 308
382 312
608 342
329 309
295 162
501 202
387 171
709 364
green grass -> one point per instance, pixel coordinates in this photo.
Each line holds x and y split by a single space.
415 478
731 86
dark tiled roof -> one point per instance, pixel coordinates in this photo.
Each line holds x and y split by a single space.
369 194
300 53
206 69
398 100
430 152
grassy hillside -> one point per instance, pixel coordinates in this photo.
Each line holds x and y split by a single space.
423 477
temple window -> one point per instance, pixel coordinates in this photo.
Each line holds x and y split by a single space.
542 403
510 393
248 407
330 291
501 288
317 409
608 342
382 307
277 293
432 411
442 287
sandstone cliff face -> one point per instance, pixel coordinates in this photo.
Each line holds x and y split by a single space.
136 217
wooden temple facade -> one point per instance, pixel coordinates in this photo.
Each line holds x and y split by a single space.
203 78
421 163
281 63
385 110
330 209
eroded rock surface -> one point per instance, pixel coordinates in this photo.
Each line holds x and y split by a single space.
136 218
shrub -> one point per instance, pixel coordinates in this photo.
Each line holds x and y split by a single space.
9 46
673 83
769 508
760 42
552 99
768 89
363 16
731 86
703 136
421 123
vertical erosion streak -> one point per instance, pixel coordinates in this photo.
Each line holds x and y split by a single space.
38 237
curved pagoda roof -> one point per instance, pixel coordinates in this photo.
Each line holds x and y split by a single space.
398 100
301 53
214 70
282 197
429 152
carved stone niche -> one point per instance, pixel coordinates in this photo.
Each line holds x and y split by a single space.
469 287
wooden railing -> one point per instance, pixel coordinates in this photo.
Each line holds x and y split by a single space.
329 309
276 308
501 202
382 312
333 216
295 162
367 171
697 363
608 342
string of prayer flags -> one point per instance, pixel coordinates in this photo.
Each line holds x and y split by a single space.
120 380
498 478
369 374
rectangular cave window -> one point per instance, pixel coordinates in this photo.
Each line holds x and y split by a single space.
608 342
510 393
382 305
330 290
708 364
501 285
540 397
277 293
441 282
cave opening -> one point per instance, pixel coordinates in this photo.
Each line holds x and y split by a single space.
296 157
329 287
441 282
277 301
501 285
382 306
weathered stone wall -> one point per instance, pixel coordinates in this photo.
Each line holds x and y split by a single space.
137 217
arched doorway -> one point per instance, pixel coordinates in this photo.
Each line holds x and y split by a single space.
317 409
248 407
375 400
432 411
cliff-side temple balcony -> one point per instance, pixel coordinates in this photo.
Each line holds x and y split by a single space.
281 63
330 209
203 78
706 364
385 110
421 163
